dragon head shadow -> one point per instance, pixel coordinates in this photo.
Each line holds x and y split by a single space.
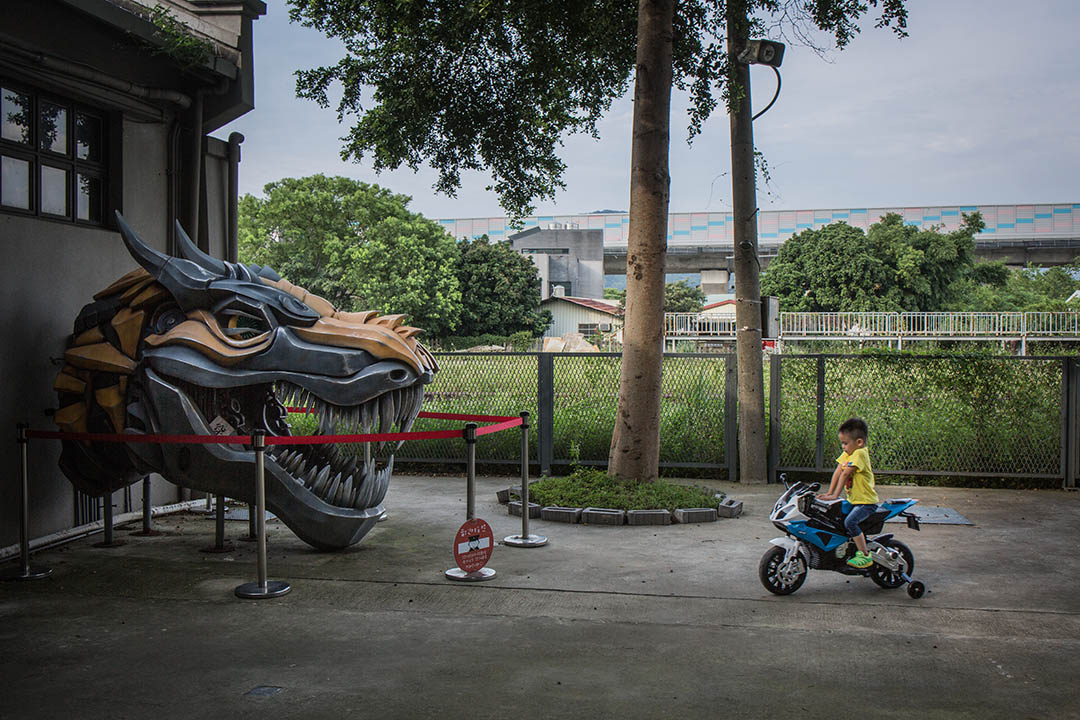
196 345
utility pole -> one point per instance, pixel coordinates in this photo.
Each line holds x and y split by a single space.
751 393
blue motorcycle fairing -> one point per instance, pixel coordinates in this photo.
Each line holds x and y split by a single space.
829 541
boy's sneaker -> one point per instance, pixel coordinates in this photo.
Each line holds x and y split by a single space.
860 560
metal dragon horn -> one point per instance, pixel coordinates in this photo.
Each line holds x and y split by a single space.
186 281
191 251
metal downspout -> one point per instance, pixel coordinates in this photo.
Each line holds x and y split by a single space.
232 250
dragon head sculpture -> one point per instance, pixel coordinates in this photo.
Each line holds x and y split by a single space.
197 345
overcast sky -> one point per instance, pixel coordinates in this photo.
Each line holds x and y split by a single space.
978 106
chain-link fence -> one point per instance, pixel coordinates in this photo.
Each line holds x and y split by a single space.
572 399
1005 417
993 416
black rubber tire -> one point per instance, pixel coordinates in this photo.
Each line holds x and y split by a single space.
886 578
915 589
770 561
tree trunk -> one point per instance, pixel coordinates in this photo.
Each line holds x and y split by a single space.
752 452
635 443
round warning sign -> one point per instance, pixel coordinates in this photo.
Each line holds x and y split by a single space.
473 545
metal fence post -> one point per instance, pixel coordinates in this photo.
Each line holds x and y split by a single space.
525 539
1069 428
819 452
261 588
731 417
774 418
25 571
545 407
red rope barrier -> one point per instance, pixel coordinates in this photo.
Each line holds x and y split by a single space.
137 438
502 422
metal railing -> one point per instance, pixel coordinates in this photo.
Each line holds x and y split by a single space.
889 326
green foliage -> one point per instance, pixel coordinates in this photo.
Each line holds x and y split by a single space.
614 294
355 244
177 41
502 290
1029 289
586 487
681 297
495 85
893 268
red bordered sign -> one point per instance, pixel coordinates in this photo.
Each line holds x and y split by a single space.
473 544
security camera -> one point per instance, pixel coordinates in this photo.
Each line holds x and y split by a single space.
762 52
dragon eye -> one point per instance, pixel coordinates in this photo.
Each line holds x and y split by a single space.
240 325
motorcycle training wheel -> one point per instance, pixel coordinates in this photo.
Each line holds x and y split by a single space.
915 589
768 571
887 578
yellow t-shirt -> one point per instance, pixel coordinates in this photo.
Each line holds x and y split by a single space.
862 490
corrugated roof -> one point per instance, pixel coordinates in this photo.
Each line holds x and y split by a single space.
602 305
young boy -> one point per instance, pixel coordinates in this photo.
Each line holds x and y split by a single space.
853 472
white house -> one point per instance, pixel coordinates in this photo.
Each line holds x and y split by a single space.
588 316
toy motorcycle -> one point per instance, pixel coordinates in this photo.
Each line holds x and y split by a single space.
815 539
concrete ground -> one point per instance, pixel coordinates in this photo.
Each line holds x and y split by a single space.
627 622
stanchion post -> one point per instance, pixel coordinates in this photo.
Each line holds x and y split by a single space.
525 539
484 573
25 571
262 588
470 471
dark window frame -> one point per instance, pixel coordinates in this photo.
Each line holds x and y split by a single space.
103 169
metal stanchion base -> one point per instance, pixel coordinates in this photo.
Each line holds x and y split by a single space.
475 576
254 591
227 547
33 572
146 533
525 541
383 517
113 544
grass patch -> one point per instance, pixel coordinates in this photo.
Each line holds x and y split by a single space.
587 487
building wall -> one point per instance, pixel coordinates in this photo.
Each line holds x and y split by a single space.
566 316
53 270
581 266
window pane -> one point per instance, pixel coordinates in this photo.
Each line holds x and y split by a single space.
54 128
15 183
89 198
87 137
15 108
53 190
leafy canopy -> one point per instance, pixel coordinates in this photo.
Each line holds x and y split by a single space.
996 288
495 84
894 267
355 244
502 289
679 297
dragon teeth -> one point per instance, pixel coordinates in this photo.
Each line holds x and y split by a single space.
332 491
294 462
321 480
386 413
309 478
347 494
